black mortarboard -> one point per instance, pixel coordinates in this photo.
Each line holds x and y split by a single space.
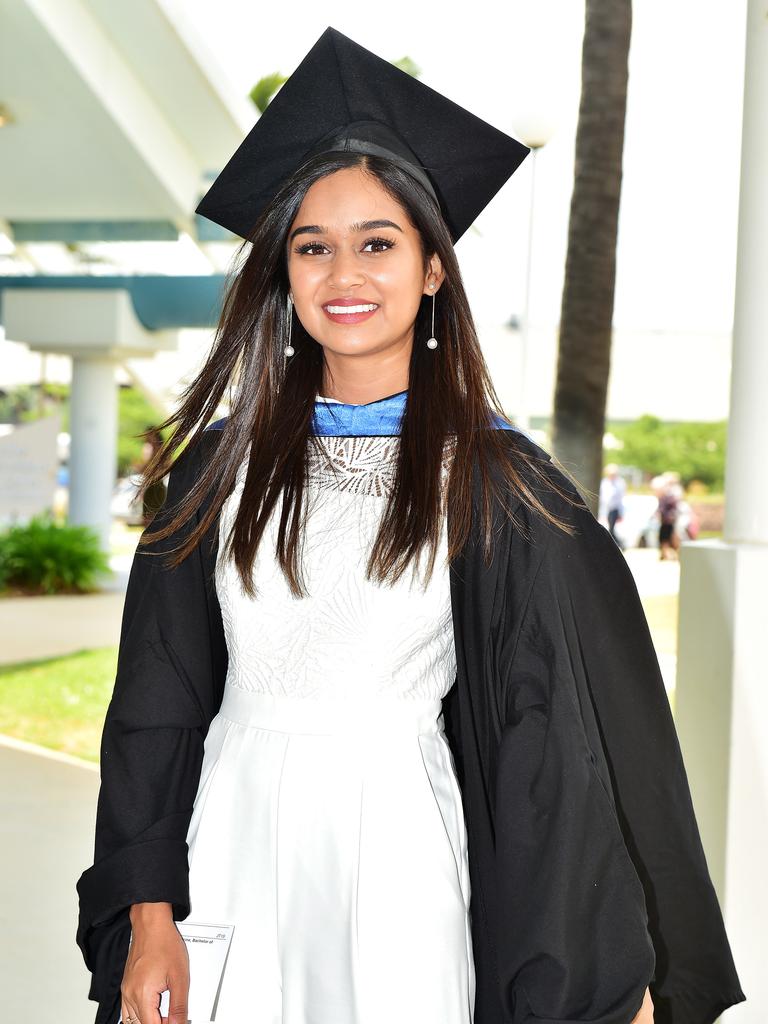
344 97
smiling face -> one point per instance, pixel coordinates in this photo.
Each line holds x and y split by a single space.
351 242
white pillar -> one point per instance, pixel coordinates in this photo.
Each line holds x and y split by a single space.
98 328
722 684
93 450
746 480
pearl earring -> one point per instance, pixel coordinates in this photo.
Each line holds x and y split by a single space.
289 349
432 343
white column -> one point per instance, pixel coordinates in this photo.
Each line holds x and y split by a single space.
722 683
97 328
93 450
746 480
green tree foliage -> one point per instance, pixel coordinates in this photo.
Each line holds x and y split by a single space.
695 450
26 404
135 414
261 94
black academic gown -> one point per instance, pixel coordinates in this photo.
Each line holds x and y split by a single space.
588 877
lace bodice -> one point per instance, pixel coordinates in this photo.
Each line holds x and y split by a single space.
361 465
351 636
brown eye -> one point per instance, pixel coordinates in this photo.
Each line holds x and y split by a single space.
305 248
387 242
380 244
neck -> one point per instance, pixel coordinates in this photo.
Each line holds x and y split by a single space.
372 379
362 395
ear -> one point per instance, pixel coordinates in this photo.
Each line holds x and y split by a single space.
434 276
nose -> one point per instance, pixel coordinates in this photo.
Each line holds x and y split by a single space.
345 269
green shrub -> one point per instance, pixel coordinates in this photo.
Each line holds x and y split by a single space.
44 557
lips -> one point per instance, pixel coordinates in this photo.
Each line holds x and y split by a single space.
349 301
357 316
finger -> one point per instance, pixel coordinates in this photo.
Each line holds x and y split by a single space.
177 1000
149 1008
178 1015
129 1012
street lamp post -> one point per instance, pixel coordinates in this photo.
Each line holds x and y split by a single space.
534 131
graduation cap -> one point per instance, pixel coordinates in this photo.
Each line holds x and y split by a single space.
344 97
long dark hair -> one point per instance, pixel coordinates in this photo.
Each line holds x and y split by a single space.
450 392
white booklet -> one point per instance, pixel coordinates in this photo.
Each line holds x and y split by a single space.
207 945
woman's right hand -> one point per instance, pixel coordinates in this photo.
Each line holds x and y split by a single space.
157 960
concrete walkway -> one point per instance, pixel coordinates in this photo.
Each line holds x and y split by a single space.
48 803
49 626
47 817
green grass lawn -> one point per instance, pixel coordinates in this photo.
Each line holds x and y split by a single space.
123 538
59 702
661 612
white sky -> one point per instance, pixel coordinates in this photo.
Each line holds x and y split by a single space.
677 229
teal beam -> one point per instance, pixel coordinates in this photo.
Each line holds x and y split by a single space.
207 231
160 302
72 232
93 231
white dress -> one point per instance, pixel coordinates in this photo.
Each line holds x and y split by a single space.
328 825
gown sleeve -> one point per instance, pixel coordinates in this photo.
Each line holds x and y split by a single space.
594 809
151 750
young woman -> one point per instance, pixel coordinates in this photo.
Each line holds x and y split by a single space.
432 794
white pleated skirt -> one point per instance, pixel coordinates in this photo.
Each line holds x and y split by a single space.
331 834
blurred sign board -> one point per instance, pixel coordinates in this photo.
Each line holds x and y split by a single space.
28 469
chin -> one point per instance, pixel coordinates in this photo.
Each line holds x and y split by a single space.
346 340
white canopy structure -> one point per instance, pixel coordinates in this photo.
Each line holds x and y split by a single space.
113 117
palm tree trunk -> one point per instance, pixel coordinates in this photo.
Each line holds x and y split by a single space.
590 271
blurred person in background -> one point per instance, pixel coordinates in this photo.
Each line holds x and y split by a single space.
670 497
613 487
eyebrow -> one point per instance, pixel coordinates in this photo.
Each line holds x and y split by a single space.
363 225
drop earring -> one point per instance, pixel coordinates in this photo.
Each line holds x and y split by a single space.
289 349
432 343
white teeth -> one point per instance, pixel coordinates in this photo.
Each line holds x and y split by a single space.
352 309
